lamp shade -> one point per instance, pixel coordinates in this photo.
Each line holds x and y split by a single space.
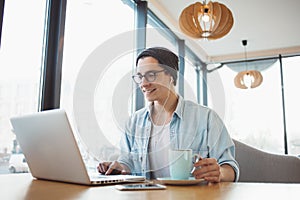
212 20
248 79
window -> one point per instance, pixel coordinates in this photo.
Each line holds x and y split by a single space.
155 38
97 67
255 116
190 81
291 72
20 68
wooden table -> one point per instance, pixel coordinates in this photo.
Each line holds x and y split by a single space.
23 186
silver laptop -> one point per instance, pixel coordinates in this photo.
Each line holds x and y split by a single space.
52 153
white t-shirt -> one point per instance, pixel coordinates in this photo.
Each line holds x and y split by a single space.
159 145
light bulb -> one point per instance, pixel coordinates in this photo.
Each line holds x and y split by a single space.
205 18
248 80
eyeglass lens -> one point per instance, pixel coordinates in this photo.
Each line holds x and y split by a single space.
149 76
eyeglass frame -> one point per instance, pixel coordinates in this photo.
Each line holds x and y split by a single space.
145 76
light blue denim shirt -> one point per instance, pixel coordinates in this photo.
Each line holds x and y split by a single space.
193 126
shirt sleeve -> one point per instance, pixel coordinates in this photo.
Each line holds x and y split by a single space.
125 148
220 143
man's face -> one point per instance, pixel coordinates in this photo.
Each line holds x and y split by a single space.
156 88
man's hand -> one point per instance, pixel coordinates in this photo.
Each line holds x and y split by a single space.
110 168
210 170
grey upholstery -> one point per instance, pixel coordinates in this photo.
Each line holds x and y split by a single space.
259 166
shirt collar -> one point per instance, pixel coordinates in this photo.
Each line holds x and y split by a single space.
179 108
178 111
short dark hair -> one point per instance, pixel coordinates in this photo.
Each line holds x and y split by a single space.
165 57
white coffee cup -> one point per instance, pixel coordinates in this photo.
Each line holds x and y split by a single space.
180 161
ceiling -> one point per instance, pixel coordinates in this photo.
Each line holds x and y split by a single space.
270 26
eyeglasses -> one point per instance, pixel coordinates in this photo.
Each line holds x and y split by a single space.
149 76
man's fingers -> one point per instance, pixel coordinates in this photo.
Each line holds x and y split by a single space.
205 161
208 169
110 168
103 167
114 168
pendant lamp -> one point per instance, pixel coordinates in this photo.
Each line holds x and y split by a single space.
249 78
210 20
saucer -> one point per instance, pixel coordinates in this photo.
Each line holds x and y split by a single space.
170 181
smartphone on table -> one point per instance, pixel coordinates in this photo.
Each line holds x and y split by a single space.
141 186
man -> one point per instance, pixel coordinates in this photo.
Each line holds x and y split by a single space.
171 122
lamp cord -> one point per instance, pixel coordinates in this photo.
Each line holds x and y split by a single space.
244 42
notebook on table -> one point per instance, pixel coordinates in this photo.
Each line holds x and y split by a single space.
51 150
